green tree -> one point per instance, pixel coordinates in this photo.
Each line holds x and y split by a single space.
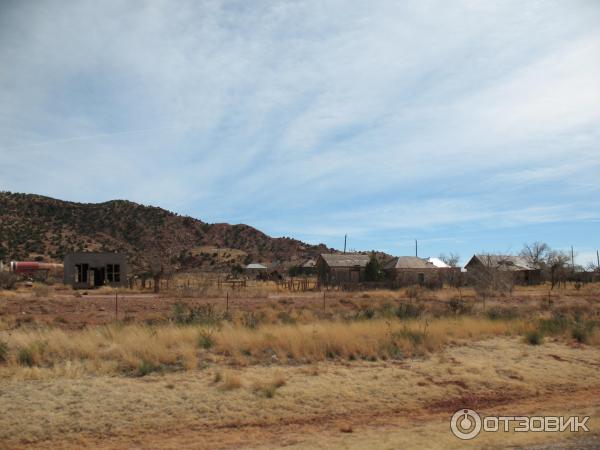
373 270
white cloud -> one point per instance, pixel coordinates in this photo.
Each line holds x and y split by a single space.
292 113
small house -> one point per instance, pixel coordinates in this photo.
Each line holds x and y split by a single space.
520 270
336 268
84 270
411 270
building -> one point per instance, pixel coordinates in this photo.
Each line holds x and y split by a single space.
256 266
334 268
93 269
411 270
520 271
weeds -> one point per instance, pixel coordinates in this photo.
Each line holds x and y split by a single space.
268 389
205 338
25 357
499 313
201 315
146 368
3 351
534 337
409 311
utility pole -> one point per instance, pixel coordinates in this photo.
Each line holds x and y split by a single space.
572 259
416 248
598 258
345 238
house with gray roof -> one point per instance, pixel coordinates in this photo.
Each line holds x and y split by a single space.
338 268
411 270
521 271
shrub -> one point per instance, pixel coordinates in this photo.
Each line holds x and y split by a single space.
206 339
285 317
7 280
365 314
25 357
250 320
202 315
557 325
146 368
269 388
580 334
458 306
3 351
408 311
534 337
497 313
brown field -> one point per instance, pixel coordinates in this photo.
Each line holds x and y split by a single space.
272 368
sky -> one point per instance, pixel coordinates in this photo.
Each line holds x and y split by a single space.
472 126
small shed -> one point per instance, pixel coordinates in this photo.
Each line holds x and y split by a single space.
84 270
411 270
335 268
522 272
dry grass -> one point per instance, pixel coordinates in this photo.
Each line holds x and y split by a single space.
231 381
132 349
183 405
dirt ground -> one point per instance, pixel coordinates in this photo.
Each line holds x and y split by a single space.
392 404
345 404
78 309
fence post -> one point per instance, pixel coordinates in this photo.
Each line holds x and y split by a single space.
227 304
116 306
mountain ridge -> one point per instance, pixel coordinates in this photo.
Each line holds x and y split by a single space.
34 226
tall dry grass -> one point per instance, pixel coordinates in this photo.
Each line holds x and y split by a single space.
138 349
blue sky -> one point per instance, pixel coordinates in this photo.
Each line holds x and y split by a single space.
472 126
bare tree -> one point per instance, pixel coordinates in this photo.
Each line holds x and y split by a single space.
557 263
158 263
536 253
452 259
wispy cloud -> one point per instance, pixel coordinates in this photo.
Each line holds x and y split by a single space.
312 118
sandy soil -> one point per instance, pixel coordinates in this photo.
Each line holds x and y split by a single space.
404 404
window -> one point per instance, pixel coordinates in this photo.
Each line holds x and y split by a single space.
82 273
113 273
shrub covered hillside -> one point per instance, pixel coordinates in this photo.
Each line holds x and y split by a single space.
33 226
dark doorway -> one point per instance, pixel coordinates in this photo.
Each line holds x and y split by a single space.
99 276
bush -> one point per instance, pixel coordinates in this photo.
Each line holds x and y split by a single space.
250 320
580 334
7 280
365 314
497 313
25 357
202 315
3 351
206 339
534 337
408 311
557 325
146 368
458 306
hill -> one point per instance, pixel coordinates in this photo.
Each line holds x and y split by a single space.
38 227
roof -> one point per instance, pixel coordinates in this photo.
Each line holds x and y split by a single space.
309 264
255 266
409 262
503 262
345 259
437 262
